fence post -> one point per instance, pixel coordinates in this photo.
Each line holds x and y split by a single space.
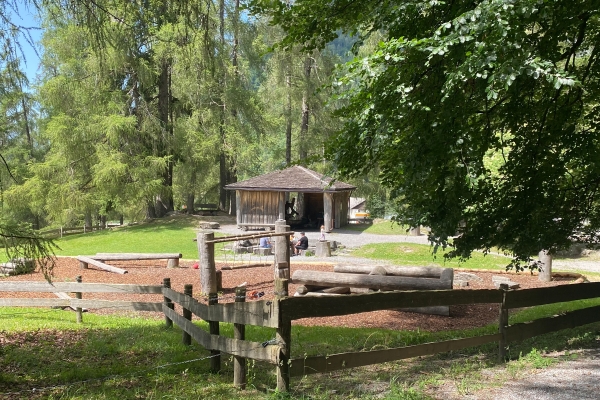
187 314
503 324
78 310
283 334
213 328
282 251
208 271
168 302
239 332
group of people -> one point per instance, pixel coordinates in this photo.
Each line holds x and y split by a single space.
296 245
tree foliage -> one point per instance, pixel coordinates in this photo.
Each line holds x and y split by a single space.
457 85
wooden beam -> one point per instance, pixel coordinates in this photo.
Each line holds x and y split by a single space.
241 348
416 271
134 256
249 236
258 313
88 260
318 278
571 319
45 287
83 303
549 295
334 362
305 307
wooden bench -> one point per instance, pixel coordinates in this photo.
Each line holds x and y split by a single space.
207 209
85 260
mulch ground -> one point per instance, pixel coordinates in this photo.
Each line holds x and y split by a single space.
260 280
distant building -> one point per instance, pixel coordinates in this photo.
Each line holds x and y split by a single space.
261 200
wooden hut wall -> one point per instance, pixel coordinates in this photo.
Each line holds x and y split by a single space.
343 198
258 207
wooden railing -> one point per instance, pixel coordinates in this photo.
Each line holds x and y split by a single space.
280 312
78 303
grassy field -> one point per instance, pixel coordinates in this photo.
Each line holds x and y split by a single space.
44 354
173 235
419 254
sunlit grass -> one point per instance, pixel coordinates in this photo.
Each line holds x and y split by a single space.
419 254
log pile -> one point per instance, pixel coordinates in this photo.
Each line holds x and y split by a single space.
364 279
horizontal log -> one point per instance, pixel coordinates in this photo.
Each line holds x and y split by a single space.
571 319
45 287
88 260
242 266
316 294
249 236
241 348
303 289
437 310
305 307
258 313
74 303
549 295
417 272
134 256
319 278
334 362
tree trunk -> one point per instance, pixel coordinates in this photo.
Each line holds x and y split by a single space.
288 125
88 220
190 203
546 266
305 110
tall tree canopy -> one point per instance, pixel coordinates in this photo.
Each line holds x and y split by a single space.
481 115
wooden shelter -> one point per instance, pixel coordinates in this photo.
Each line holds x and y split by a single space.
262 200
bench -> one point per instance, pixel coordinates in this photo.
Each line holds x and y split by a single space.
208 208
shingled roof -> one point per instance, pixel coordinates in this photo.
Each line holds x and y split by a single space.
293 179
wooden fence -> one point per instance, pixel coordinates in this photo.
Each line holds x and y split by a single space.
63 300
279 314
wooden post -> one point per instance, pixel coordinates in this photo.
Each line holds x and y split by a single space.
282 251
503 324
283 334
323 249
328 211
83 265
187 314
546 267
172 262
78 310
239 332
206 254
168 302
213 328
416 231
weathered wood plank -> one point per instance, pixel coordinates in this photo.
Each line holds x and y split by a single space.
241 348
249 236
45 287
134 256
88 260
305 307
83 303
416 271
319 278
258 313
549 295
571 319
334 362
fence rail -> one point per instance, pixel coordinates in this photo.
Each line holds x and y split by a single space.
279 312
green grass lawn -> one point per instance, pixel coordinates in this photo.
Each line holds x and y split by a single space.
420 254
172 235
380 227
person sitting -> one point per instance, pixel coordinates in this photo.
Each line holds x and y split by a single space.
265 242
301 245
